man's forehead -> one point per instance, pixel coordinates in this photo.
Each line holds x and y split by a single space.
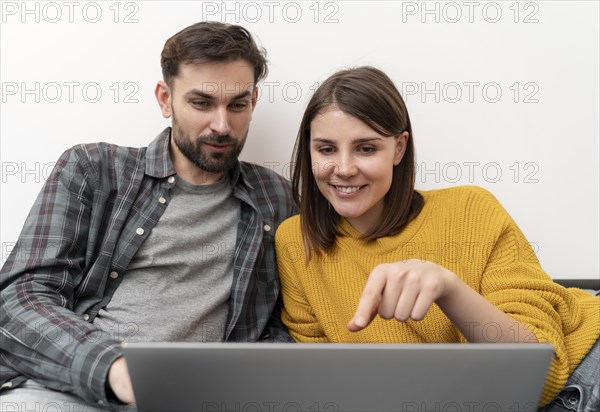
223 90
237 71
218 79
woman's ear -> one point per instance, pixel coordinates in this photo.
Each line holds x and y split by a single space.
401 142
163 97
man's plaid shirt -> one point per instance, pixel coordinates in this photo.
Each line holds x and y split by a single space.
99 204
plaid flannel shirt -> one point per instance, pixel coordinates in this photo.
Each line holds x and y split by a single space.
97 207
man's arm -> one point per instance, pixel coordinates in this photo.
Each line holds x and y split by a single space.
43 338
275 197
276 331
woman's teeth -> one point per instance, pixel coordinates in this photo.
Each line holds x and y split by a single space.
347 189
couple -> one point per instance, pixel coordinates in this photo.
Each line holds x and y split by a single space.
120 244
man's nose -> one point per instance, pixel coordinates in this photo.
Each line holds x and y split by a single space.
220 122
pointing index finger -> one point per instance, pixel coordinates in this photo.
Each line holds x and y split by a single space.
369 301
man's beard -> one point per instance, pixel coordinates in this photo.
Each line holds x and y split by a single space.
211 162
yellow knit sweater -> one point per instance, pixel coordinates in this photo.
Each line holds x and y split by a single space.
463 229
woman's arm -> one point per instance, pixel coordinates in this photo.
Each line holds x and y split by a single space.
406 290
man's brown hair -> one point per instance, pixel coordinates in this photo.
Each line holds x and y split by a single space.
211 42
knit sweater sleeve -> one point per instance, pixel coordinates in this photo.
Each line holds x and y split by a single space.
297 314
514 281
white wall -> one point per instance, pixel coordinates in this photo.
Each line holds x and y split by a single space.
502 94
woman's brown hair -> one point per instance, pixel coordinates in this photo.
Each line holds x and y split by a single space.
369 95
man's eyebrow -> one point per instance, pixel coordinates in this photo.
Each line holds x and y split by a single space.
195 93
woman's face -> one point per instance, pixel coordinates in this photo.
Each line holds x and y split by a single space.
352 165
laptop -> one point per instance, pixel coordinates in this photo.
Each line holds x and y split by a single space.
270 377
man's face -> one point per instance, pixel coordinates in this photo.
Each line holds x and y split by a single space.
211 104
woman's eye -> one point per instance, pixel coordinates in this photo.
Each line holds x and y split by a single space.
367 149
326 150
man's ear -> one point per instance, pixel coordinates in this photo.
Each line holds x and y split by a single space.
163 97
401 142
254 100
254 97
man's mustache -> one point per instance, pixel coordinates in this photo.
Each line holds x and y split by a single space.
216 139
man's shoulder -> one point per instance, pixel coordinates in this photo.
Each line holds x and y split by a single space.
269 191
99 151
257 174
101 156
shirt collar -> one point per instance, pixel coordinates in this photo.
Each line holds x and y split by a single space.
158 157
159 164
239 177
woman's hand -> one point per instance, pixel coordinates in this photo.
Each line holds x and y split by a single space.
402 290
406 290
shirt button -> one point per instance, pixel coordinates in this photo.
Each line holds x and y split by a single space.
114 275
86 317
162 200
267 228
139 231
171 179
100 402
573 399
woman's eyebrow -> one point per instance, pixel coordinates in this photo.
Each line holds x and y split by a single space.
322 140
366 139
355 141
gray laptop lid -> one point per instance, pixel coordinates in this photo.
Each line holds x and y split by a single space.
247 377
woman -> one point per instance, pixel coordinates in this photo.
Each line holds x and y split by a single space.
436 266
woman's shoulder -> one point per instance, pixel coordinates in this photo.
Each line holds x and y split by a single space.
289 244
460 195
468 203
290 227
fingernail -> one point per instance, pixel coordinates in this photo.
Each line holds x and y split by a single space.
360 321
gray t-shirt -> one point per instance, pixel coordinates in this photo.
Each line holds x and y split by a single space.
177 286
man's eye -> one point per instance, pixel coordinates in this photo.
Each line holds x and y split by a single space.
239 106
200 103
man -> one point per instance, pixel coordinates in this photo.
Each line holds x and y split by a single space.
173 242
